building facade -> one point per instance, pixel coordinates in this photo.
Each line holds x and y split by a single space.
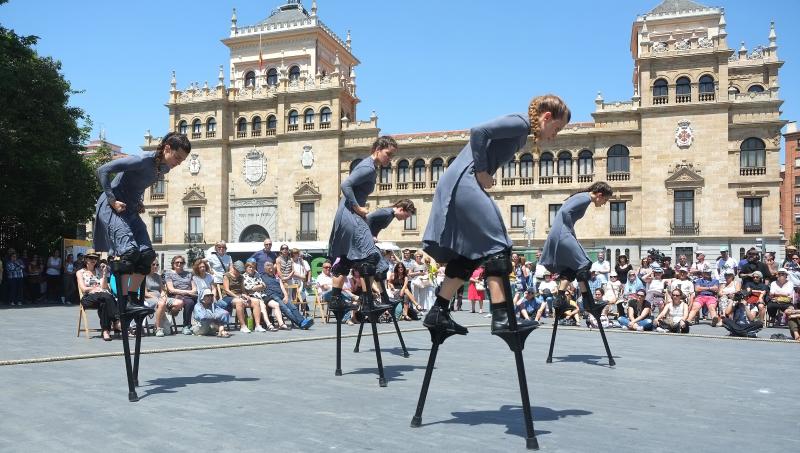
790 189
693 156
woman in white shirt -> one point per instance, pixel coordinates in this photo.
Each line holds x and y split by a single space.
781 292
727 288
675 315
218 263
200 276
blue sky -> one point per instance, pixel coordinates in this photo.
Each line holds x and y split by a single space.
426 65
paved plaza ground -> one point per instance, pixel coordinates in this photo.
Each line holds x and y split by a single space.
277 391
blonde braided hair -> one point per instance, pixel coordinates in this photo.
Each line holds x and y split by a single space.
546 103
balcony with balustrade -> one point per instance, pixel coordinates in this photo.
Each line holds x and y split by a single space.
752 171
193 238
306 235
684 229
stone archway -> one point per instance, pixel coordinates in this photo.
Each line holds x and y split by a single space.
253 233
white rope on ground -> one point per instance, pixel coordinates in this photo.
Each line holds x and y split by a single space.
333 337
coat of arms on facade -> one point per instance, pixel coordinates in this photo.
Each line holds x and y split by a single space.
684 135
254 167
194 164
307 158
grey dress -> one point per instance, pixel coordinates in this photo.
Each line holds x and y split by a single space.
117 233
350 236
377 220
561 249
464 220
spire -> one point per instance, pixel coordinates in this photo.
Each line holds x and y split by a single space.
221 77
173 84
233 22
645 31
773 38
314 8
348 40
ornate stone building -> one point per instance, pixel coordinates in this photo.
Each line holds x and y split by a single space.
790 189
693 155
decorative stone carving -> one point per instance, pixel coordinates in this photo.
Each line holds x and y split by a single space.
684 134
733 58
194 194
194 164
684 177
683 44
307 191
254 167
659 47
757 53
705 42
307 157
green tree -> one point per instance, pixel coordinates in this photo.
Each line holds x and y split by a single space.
796 239
47 187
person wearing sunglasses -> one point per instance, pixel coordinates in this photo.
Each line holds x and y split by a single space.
219 262
674 317
181 286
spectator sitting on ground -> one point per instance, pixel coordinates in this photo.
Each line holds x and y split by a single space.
156 297
781 292
398 289
93 284
591 321
209 317
527 305
572 316
263 256
706 289
236 297
548 289
756 291
793 319
254 287
740 319
639 315
655 289
675 315
180 286
727 289
684 284
275 290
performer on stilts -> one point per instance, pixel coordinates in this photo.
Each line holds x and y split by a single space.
120 231
377 221
466 229
562 254
351 243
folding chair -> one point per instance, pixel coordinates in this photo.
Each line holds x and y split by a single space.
324 313
82 319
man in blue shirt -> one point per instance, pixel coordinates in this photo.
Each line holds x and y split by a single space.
264 256
275 290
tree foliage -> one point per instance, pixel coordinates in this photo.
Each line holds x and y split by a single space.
46 186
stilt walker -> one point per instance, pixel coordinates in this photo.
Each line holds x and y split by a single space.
377 221
563 254
466 229
119 230
352 244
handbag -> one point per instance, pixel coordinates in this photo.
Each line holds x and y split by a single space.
480 287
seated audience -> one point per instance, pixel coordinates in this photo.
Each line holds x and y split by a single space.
675 315
398 288
201 277
706 289
275 290
210 318
156 297
254 287
236 297
781 292
639 315
180 286
756 294
727 288
93 284
740 319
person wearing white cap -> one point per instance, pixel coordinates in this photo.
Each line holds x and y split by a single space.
727 288
683 283
726 262
209 316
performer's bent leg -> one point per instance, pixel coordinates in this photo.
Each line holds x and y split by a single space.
339 270
497 269
456 273
367 269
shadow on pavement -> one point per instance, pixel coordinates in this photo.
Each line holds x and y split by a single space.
169 385
599 360
398 351
511 417
391 372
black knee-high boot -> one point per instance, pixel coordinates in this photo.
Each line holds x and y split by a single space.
500 312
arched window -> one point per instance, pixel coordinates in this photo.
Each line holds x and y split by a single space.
294 73
706 84
183 127
241 127
419 170
753 153
526 166
733 90
385 175
196 127
437 168
354 164
450 160
585 163
755 89
250 79
546 165
564 163
683 90
272 122
402 171
618 160
660 91
211 126
293 116
257 124
509 169
325 115
272 77
308 116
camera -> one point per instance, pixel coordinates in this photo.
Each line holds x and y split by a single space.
656 256
739 296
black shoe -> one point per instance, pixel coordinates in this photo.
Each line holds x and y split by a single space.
500 321
560 303
439 318
369 306
137 310
338 303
